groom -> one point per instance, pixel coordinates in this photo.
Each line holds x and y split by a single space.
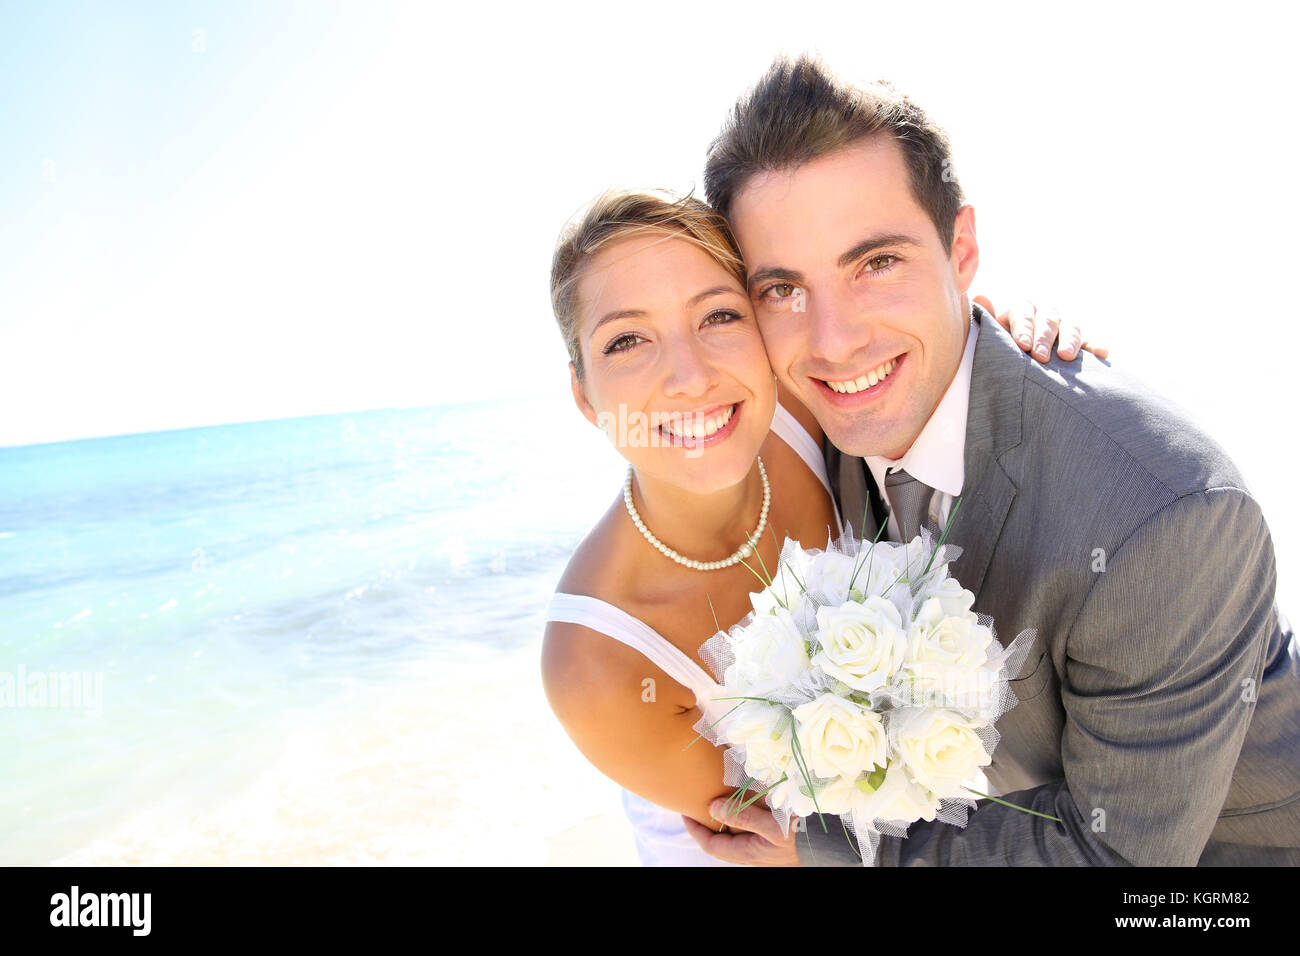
1159 714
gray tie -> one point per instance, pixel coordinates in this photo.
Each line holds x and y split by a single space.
910 501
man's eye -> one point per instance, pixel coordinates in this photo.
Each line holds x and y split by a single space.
880 263
780 290
621 344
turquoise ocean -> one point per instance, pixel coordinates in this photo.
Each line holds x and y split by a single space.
310 640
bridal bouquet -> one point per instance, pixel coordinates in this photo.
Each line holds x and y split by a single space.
863 686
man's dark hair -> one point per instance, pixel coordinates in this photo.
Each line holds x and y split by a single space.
799 112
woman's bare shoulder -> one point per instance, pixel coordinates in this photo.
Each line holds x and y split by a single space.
597 566
585 671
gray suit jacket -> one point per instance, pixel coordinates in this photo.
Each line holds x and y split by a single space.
1161 720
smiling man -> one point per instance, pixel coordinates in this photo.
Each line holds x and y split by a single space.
859 297
1159 719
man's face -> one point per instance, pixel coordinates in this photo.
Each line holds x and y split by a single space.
863 313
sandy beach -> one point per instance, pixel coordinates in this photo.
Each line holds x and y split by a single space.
604 840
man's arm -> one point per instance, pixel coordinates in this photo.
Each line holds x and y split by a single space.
1159 667
994 835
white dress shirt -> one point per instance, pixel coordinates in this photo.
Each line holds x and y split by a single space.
938 456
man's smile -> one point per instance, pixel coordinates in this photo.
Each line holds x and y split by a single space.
863 387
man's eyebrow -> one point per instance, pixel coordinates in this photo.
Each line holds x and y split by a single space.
869 244
872 243
641 313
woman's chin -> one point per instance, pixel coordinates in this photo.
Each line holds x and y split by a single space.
701 474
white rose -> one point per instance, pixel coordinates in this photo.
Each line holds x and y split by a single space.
946 657
902 562
898 798
764 730
879 567
840 738
941 638
955 600
835 795
829 574
862 645
785 591
939 747
770 655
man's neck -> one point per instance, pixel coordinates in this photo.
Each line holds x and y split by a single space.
938 449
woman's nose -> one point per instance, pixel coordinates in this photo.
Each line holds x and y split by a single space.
688 371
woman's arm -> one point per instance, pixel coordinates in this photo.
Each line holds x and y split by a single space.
1035 330
631 720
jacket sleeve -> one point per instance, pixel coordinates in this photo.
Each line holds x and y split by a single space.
1160 671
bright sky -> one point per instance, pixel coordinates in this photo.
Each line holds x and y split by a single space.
224 211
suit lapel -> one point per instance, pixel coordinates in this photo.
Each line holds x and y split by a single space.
993 420
986 498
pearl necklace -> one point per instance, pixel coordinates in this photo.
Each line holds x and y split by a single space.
744 551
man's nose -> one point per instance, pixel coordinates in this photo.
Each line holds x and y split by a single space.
837 330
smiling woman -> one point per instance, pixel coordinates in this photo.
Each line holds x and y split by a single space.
650 296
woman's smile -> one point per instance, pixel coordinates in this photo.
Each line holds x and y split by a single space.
699 428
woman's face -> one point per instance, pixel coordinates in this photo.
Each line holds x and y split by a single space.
676 374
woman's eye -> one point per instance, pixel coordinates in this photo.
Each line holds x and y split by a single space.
621 344
721 316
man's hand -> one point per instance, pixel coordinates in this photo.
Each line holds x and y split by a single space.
757 840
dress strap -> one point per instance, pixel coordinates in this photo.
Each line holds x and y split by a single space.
616 623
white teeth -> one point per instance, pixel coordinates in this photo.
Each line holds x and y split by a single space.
690 426
871 379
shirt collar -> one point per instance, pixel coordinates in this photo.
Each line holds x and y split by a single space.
938 456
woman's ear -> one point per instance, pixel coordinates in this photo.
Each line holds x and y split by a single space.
580 396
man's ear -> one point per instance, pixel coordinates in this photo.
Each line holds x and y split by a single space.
965 256
580 396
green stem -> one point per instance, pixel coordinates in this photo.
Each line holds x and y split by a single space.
1013 806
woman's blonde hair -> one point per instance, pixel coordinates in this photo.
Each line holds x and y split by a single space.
618 215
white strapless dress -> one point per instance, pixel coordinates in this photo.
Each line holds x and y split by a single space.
661 838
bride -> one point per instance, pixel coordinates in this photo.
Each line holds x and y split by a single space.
667 359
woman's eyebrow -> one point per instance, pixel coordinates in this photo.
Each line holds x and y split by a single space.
641 313
614 316
709 293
